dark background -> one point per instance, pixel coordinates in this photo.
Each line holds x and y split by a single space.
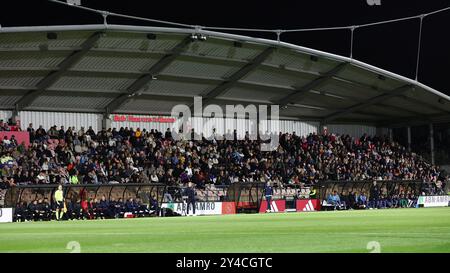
391 46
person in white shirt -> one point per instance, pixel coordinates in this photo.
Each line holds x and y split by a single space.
154 178
6 141
189 171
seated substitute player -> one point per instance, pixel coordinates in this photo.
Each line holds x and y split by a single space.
45 210
103 208
85 209
130 206
119 208
112 207
335 200
362 201
33 211
95 209
40 210
153 205
74 211
141 208
21 212
351 199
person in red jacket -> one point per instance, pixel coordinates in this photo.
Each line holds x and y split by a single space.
84 208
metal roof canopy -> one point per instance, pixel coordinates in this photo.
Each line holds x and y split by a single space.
148 70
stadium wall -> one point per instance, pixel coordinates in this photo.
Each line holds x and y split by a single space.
5 115
352 130
223 124
48 119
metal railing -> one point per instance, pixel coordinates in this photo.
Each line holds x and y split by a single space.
237 192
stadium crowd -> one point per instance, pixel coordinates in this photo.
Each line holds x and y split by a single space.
62 156
70 156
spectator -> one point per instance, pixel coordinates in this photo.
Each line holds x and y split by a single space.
74 178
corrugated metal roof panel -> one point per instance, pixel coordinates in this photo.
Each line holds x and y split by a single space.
72 102
109 61
138 42
346 89
301 112
185 67
208 67
31 59
148 106
65 39
281 78
366 77
404 104
21 78
8 101
224 49
84 82
176 88
294 60
250 94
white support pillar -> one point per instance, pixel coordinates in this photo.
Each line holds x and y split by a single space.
322 128
106 122
391 135
15 118
409 138
432 143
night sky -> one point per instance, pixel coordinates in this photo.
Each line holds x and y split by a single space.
392 46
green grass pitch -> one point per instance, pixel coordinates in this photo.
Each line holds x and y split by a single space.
396 230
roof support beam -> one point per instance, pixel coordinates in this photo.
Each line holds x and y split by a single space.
418 102
381 105
145 79
299 94
238 75
372 101
425 104
362 111
55 75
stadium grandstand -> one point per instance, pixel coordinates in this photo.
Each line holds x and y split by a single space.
90 107
112 132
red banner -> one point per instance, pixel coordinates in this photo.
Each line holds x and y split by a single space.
276 206
308 205
130 118
228 208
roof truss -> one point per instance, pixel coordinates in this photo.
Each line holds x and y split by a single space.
297 95
238 75
55 75
136 86
369 102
